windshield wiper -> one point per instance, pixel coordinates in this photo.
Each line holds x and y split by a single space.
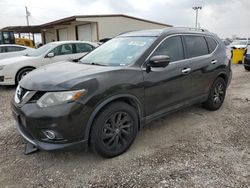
87 63
97 64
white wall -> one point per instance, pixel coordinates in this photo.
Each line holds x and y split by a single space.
112 26
103 27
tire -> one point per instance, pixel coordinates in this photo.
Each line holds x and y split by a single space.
22 73
114 129
216 95
247 68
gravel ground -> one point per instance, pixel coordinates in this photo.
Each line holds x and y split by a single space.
190 148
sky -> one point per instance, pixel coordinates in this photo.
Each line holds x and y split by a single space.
223 17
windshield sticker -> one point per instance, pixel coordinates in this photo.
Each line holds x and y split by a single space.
137 43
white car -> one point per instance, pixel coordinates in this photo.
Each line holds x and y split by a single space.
239 44
13 50
12 70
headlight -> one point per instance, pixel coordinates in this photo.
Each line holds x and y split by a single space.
56 98
1 67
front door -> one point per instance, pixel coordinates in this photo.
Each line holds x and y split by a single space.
61 53
167 88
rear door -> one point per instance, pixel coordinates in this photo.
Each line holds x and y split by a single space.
82 49
200 61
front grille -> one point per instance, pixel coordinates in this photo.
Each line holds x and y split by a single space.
1 78
22 93
23 96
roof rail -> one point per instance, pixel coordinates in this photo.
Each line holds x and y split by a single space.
191 28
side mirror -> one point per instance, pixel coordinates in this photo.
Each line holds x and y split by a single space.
50 55
159 61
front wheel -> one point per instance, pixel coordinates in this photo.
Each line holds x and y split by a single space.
22 73
216 95
114 129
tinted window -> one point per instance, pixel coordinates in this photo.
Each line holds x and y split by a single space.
3 49
211 44
64 49
171 47
81 47
14 48
196 46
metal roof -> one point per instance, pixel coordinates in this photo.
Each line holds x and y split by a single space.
73 18
23 29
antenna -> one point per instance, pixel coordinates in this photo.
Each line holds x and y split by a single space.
27 13
196 15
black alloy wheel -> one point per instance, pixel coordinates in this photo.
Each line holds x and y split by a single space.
114 129
216 95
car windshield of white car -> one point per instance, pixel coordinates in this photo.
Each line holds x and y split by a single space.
40 51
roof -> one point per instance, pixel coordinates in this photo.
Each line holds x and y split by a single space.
23 29
149 32
73 41
170 30
73 18
17 45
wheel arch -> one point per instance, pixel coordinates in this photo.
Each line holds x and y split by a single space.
127 98
224 76
22 68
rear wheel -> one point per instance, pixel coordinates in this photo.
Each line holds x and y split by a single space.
216 95
247 68
22 73
114 129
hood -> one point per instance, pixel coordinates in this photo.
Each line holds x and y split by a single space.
62 76
13 60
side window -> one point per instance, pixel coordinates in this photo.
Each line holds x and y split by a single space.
14 48
212 44
2 50
196 46
82 47
171 47
64 49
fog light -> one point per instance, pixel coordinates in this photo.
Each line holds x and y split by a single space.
50 134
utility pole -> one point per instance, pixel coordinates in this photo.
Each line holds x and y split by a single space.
27 17
196 15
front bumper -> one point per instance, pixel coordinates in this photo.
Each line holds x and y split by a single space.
65 120
50 146
4 81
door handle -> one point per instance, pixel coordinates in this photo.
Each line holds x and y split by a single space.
186 70
214 61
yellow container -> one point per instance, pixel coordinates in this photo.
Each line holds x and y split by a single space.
238 55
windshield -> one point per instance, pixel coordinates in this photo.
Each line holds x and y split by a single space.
40 51
119 51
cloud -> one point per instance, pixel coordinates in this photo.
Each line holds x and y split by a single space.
224 17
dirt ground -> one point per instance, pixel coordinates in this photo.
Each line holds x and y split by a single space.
190 148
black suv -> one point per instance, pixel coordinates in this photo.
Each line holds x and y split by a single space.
111 93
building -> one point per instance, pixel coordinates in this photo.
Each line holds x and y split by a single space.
94 27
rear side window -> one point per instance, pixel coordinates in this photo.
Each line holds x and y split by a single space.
171 47
196 46
212 44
